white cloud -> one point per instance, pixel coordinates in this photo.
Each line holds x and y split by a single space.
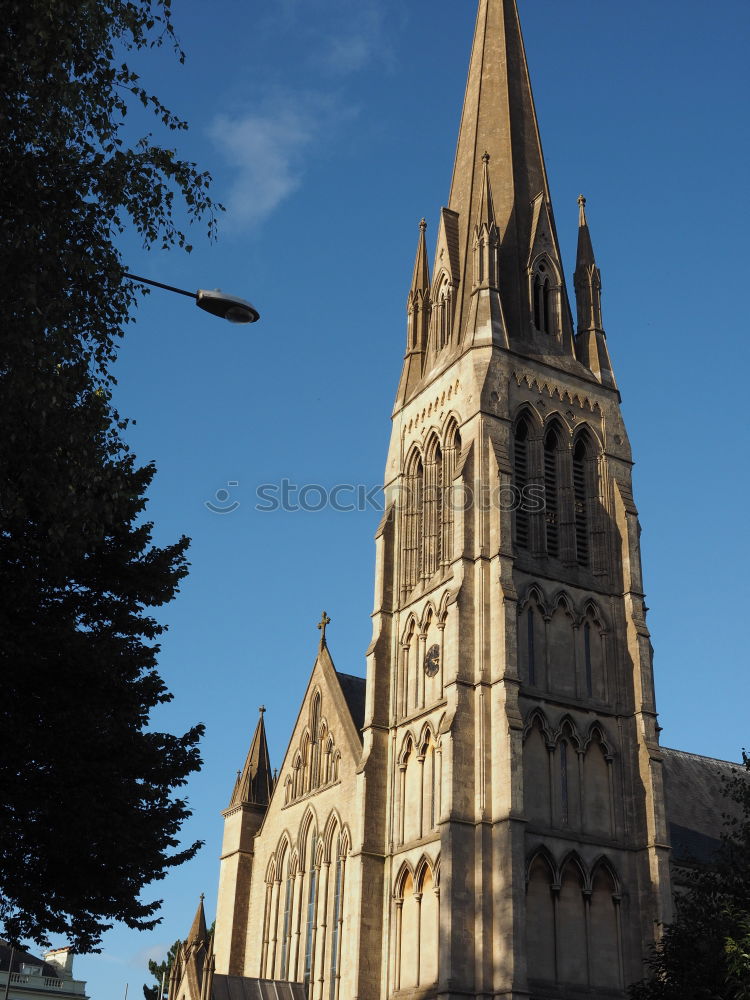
266 151
269 149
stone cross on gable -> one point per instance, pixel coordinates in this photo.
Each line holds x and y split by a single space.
325 620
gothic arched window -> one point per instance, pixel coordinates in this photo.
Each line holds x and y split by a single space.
312 886
412 507
521 477
451 451
315 738
552 490
443 313
433 509
581 499
544 298
336 921
286 930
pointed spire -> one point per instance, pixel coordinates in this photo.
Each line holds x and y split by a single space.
486 215
198 933
254 783
418 319
585 256
499 117
591 341
420 281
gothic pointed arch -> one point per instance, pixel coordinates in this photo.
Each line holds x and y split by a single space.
572 933
451 498
545 292
585 491
309 821
433 506
553 443
524 473
537 743
598 814
443 305
592 643
567 782
561 651
537 717
412 507
605 947
315 735
333 823
540 915
532 637
409 672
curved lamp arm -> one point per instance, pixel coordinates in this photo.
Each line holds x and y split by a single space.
228 307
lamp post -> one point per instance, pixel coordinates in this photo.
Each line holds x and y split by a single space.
228 307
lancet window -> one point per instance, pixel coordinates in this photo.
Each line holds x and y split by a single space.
568 780
418 783
521 482
316 762
451 453
428 508
414 948
413 521
433 508
582 495
305 914
572 923
544 298
552 490
571 493
442 312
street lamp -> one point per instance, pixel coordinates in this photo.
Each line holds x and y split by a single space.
228 307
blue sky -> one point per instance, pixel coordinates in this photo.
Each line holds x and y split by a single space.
330 128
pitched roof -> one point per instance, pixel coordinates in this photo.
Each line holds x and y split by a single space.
694 789
21 957
244 988
354 690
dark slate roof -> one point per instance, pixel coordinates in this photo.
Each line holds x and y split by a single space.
354 692
696 803
242 988
23 958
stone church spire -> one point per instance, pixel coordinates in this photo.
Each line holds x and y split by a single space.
198 934
499 117
591 341
254 783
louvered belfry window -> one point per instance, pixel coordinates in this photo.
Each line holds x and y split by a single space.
521 476
551 498
581 503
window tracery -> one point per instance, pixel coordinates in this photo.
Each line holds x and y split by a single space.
428 506
317 760
572 922
304 921
545 291
414 949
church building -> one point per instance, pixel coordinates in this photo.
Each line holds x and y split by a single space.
488 813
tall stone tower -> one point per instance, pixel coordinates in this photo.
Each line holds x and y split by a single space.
510 784
484 816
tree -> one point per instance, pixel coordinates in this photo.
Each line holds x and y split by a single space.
88 810
160 971
705 953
